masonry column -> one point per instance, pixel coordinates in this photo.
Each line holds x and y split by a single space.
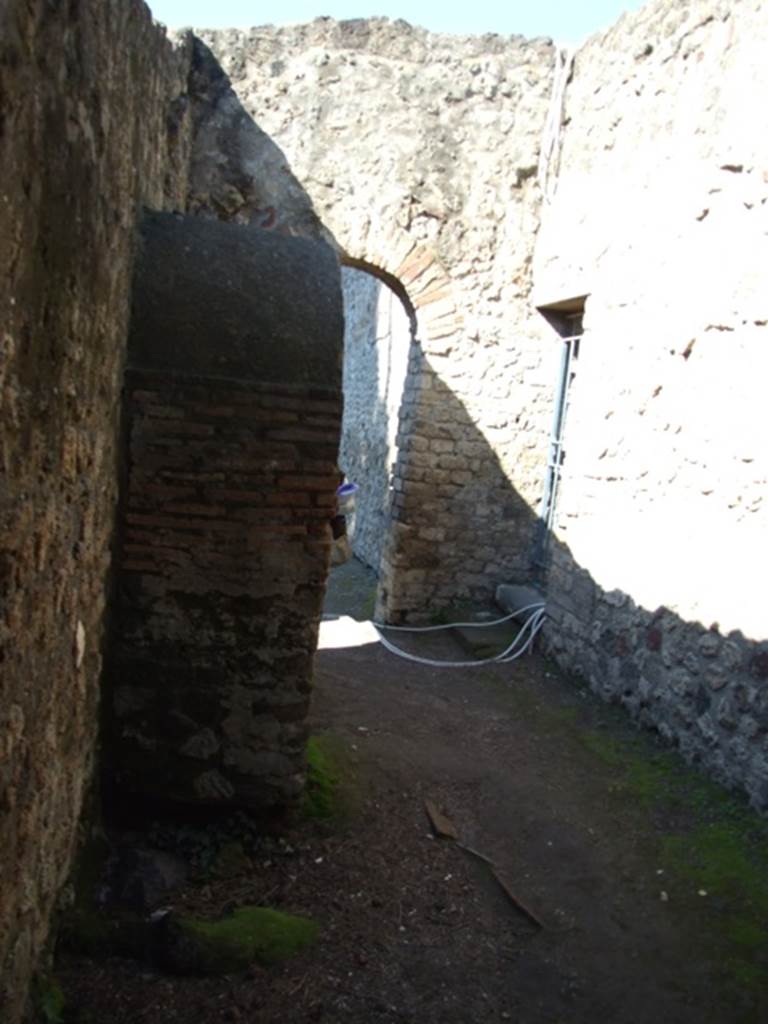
233 410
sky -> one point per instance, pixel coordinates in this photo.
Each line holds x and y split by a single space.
563 20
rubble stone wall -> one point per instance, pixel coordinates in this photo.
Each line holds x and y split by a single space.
416 156
419 152
93 124
423 161
660 216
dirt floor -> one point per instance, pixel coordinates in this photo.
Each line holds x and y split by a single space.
608 882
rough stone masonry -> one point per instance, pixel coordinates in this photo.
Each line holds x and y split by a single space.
91 125
630 184
419 152
660 217
480 178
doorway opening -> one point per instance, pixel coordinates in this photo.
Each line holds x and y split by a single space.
379 328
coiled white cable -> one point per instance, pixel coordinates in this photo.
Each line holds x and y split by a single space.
533 623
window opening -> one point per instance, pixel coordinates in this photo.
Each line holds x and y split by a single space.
567 319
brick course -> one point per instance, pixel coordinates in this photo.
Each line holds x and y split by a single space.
210 573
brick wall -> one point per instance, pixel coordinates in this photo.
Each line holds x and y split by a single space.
230 486
222 570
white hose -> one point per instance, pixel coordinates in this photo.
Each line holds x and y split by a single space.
534 622
459 625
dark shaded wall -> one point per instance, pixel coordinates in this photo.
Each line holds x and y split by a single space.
234 417
92 123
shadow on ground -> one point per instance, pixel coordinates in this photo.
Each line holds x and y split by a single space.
649 882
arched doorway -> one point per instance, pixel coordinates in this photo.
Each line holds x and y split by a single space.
378 333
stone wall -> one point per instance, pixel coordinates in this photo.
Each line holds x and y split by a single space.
419 153
416 156
237 172
660 216
660 173
234 415
377 340
93 123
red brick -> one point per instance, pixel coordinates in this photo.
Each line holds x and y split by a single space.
247 497
183 427
331 423
277 530
160 490
163 412
201 409
142 396
173 523
316 436
309 483
319 467
290 499
194 509
143 567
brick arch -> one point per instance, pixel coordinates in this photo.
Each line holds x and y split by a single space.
415 275
391 282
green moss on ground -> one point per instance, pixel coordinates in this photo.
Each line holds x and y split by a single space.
186 945
322 780
698 835
723 862
712 847
332 791
250 933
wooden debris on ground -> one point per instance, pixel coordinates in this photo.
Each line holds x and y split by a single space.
444 828
524 910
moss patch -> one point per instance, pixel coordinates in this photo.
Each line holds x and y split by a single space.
332 792
187 945
730 865
697 835
250 933
712 848
322 780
